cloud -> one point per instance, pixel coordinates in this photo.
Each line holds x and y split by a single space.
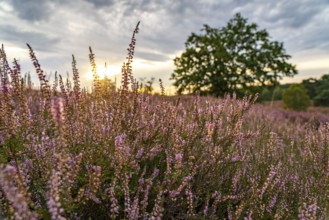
152 56
39 41
101 3
293 14
32 10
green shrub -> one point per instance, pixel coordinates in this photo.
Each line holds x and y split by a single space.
265 95
322 99
295 97
277 94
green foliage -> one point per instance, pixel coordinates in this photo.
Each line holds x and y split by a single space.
323 83
317 89
322 99
296 98
266 95
277 93
235 58
147 86
273 94
311 85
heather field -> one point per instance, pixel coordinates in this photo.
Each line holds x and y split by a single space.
125 154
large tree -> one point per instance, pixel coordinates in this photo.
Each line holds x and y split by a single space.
235 58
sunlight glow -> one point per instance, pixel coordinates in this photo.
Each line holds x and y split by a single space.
109 71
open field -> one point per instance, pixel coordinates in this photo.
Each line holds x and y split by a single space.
69 154
125 154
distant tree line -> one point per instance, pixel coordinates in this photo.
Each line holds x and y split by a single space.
309 91
318 90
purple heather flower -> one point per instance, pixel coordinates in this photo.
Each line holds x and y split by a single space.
179 157
140 153
120 139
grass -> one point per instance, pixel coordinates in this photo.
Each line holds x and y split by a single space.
122 154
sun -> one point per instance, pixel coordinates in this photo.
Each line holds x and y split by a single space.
102 71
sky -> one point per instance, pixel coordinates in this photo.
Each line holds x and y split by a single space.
57 29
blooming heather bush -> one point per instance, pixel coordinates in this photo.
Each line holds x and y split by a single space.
67 154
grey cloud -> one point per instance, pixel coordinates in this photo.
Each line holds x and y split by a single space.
152 56
319 40
101 3
32 10
38 41
127 6
293 13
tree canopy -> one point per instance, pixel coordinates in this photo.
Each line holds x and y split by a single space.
235 58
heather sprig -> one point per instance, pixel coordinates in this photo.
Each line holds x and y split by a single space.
44 87
96 82
76 78
16 193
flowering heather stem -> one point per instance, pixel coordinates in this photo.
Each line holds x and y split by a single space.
126 70
53 203
55 84
96 82
16 75
131 50
157 212
45 88
162 87
76 80
63 91
16 196
114 205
